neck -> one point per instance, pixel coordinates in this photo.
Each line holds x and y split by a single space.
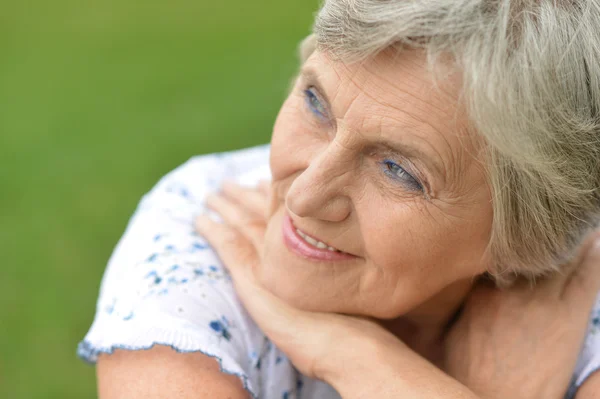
423 328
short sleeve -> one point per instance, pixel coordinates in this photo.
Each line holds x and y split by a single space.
164 285
589 358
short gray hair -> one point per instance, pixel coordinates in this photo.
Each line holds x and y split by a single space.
531 87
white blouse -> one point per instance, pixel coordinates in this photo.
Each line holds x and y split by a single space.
164 285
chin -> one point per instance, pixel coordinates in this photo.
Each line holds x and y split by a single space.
293 292
295 281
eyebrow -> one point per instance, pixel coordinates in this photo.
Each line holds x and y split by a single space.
310 76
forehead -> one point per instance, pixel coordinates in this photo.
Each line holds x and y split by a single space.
398 80
395 97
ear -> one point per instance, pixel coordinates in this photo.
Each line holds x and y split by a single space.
307 47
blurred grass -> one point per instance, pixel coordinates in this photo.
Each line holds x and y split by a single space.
99 99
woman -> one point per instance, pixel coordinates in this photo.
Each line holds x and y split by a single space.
428 149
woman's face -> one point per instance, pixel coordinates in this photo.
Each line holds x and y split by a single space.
373 161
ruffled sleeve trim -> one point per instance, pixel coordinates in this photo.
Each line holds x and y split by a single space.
138 335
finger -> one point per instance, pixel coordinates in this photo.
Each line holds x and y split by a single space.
235 251
555 286
252 199
281 322
584 283
252 226
229 244
571 271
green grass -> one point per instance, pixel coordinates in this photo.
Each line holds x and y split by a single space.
98 100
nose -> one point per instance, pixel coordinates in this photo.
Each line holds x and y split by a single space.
321 191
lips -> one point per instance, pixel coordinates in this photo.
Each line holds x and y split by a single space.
309 247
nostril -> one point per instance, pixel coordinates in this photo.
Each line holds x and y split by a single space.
319 205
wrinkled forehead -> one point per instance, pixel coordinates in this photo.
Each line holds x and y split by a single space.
396 95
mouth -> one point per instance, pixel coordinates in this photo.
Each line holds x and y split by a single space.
302 244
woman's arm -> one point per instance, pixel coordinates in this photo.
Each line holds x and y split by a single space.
161 372
383 369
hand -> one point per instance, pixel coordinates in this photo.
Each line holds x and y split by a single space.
309 339
524 342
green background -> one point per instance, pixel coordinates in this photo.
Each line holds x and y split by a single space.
98 100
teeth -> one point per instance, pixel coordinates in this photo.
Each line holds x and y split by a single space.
311 241
315 243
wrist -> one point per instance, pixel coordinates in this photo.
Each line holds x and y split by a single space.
381 368
350 352
359 367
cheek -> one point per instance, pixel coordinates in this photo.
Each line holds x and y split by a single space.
399 240
413 248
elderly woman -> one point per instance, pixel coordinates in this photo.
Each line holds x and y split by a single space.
427 230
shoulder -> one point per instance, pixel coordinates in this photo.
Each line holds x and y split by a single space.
159 248
253 156
211 169
161 372
202 174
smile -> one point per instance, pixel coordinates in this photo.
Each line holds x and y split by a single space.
314 242
300 243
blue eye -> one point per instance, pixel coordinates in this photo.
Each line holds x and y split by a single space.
397 172
314 104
